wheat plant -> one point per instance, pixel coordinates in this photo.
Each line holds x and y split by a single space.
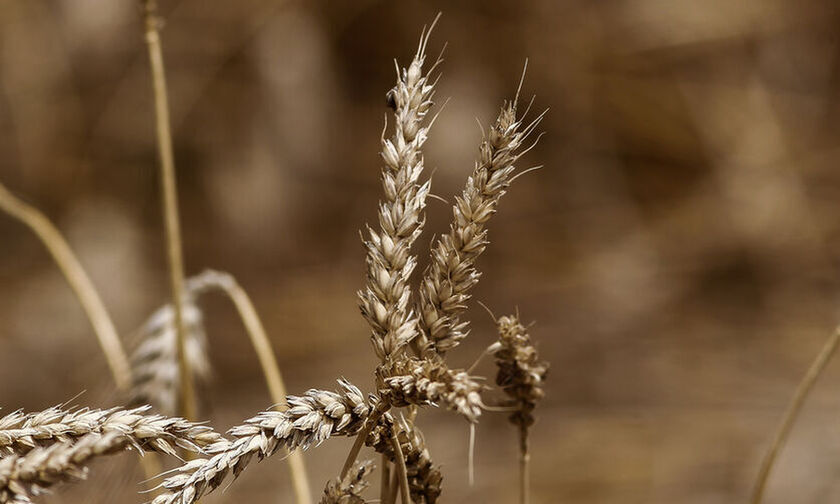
412 327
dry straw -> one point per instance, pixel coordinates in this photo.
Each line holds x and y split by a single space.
169 199
79 281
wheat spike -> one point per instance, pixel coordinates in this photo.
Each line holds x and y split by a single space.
20 433
154 363
423 382
385 302
311 419
446 283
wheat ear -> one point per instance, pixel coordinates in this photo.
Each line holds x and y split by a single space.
310 420
451 274
78 280
521 374
348 490
386 300
55 445
423 476
420 382
169 198
226 283
21 432
154 363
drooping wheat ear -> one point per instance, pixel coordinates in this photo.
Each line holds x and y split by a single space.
446 284
424 477
217 280
156 375
79 281
385 302
21 432
310 420
521 375
348 490
422 382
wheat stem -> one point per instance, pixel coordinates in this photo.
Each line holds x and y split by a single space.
402 472
793 409
170 203
374 417
268 361
385 488
524 466
79 281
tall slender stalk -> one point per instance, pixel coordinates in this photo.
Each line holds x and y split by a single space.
793 409
170 203
268 360
524 466
79 281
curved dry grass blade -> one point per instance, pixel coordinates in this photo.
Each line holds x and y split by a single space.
792 412
79 281
226 283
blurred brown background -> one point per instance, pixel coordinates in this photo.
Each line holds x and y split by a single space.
678 251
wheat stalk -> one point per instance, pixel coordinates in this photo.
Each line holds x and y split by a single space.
21 432
348 490
446 283
78 280
169 198
521 375
385 302
310 420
